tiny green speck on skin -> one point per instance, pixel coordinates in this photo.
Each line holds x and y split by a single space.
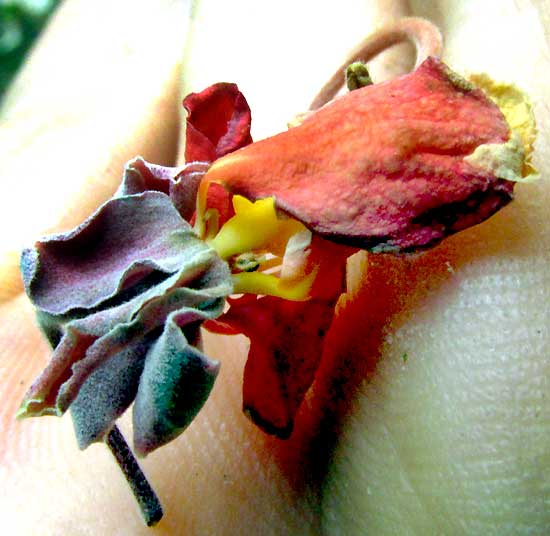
405 357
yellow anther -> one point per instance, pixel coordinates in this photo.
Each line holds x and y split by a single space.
255 227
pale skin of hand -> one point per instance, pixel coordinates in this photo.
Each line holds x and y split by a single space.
451 439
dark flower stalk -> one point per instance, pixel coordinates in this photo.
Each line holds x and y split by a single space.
148 502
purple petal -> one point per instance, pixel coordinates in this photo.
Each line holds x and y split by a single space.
181 183
127 240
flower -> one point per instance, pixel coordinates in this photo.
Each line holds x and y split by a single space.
388 167
392 167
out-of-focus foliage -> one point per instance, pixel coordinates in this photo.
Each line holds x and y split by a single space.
20 23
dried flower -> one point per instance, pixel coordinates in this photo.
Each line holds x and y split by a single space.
389 167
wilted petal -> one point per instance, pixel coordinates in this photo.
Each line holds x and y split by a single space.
112 385
107 393
175 384
183 190
87 343
286 343
103 288
218 122
141 176
383 167
180 183
127 241
511 160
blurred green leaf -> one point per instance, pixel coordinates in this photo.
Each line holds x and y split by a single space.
21 22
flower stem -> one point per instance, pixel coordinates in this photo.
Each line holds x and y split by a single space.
148 502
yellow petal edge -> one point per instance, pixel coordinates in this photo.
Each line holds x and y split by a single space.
511 160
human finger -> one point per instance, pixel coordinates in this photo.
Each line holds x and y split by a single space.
450 433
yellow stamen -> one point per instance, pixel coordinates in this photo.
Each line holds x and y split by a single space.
265 284
255 226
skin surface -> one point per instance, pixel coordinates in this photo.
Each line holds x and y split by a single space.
432 418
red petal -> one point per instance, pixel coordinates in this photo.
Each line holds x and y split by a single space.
218 122
218 198
382 166
286 340
330 260
286 343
